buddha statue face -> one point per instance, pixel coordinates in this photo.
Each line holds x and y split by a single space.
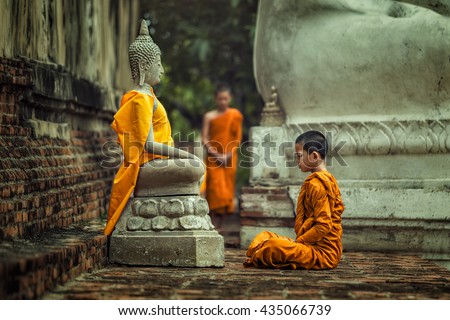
145 59
153 72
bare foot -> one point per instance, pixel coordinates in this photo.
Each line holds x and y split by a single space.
248 263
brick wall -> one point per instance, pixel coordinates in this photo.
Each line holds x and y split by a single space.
47 181
30 268
267 207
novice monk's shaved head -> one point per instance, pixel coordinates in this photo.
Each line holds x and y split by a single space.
313 141
311 149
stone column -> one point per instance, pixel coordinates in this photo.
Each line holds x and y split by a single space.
374 78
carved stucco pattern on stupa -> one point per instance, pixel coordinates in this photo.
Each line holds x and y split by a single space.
384 137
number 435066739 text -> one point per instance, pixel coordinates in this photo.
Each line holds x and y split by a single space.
305 310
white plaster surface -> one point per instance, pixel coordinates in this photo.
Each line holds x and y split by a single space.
346 60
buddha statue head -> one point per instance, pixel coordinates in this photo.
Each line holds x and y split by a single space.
145 59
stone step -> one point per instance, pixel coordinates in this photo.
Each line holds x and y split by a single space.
31 267
230 231
232 240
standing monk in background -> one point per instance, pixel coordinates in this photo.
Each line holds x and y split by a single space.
221 135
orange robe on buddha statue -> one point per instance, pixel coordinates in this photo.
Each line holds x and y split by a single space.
132 125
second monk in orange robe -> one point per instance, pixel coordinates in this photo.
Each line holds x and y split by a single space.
221 135
318 244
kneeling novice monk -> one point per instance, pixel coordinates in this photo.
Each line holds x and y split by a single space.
318 244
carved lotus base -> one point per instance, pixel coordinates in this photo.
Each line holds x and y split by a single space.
166 231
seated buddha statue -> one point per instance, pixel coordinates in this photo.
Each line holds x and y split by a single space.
151 165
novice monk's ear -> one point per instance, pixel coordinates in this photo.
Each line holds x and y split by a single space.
316 156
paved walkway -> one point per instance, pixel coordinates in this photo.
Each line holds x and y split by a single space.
359 276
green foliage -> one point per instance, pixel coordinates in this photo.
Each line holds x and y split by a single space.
204 43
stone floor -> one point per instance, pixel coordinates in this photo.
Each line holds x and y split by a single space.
360 275
72 264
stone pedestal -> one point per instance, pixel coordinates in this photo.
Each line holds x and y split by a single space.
166 223
272 114
169 248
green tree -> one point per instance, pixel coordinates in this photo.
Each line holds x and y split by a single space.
204 42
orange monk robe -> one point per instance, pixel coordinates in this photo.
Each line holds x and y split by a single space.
318 244
132 125
203 185
225 134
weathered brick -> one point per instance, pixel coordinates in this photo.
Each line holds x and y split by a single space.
6 191
11 231
40 269
264 190
268 222
278 197
7 108
43 180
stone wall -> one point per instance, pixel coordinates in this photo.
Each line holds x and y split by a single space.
88 37
50 173
63 65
